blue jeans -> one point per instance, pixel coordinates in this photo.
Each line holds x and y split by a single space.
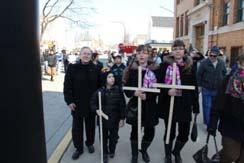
207 97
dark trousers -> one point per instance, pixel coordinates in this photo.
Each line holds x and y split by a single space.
183 131
110 139
148 136
77 131
232 151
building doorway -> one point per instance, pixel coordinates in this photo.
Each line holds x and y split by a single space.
235 51
199 37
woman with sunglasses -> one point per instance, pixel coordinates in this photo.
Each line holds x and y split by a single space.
210 75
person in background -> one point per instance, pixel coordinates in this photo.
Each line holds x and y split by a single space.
113 105
60 57
117 69
96 62
228 110
81 81
210 75
52 61
65 60
197 57
154 57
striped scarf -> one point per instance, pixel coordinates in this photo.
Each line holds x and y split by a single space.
169 78
149 79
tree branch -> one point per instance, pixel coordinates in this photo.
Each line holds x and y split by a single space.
51 7
44 8
66 8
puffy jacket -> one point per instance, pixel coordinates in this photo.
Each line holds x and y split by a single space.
113 105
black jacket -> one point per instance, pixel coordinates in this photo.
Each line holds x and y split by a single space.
183 105
80 82
113 105
229 111
149 108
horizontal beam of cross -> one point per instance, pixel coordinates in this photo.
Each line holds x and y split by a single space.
173 86
142 89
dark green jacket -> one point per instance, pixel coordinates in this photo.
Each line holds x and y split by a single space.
210 77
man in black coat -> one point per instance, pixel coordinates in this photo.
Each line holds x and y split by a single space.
81 81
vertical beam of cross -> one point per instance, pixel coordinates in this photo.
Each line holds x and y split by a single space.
172 98
139 102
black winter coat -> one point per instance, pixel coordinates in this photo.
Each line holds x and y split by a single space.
229 111
183 105
113 105
149 116
80 82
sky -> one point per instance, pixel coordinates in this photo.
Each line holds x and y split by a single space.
134 14
112 17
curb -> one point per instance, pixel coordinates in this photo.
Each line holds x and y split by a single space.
57 155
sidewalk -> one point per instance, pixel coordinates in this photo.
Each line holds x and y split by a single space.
156 150
57 116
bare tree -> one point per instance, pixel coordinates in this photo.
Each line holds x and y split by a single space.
71 10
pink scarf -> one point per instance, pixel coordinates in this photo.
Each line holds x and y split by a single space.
169 78
149 79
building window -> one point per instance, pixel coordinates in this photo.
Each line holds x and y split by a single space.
186 23
181 24
240 10
235 51
177 26
226 13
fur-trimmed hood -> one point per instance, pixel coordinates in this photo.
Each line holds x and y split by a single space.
186 59
151 66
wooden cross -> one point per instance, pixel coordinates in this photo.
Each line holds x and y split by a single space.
101 115
172 99
139 105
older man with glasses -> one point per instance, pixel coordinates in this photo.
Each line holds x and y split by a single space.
210 75
81 81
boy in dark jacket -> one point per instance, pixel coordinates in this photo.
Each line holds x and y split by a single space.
117 69
113 105
228 108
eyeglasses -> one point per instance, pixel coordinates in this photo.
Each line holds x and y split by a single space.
142 52
212 55
178 48
86 53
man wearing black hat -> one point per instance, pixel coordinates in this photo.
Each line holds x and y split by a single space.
210 75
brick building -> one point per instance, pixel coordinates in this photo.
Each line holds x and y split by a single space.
205 23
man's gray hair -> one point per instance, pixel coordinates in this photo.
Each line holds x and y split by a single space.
85 47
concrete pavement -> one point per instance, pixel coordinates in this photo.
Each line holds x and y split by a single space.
156 150
57 116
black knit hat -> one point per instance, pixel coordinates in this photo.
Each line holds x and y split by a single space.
104 73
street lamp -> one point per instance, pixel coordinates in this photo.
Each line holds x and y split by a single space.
123 25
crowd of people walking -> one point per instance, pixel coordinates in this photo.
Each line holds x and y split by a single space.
222 94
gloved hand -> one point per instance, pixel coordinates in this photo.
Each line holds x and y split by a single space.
212 131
